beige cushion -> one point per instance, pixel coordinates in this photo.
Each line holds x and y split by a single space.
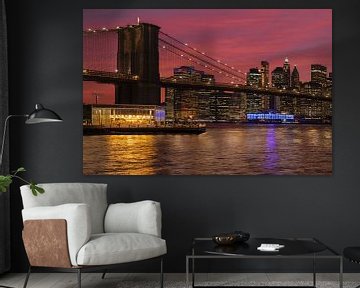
92 194
137 217
112 248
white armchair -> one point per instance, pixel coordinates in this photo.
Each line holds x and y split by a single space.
72 228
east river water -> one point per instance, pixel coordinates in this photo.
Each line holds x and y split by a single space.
236 149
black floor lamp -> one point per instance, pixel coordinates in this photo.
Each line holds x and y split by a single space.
39 115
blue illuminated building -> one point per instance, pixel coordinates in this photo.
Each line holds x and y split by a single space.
270 117
159 115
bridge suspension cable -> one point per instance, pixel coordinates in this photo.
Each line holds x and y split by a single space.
196 60
100 53
100 50
203 54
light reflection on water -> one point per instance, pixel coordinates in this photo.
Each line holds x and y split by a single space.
226 149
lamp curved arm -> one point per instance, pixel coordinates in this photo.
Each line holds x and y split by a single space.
4 134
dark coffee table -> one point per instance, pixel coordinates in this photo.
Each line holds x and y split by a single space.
294 248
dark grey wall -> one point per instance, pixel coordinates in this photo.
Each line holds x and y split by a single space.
45 48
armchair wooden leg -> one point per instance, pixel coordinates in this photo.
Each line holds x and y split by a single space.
161 273
79 277
103 275
27 277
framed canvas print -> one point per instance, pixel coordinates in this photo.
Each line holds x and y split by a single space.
207 92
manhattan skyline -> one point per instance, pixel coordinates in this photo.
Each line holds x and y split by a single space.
240 37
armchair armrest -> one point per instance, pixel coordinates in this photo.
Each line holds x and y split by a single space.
138 217
77 217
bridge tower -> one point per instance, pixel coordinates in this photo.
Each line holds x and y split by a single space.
138 54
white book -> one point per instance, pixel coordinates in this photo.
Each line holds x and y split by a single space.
270 247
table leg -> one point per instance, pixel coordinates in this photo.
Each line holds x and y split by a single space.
187 272
193 272
341 273
314 271
193 267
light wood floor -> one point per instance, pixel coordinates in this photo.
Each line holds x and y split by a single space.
114 280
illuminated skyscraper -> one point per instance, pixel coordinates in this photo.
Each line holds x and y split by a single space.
327 106
204 112
328 87
278 78
295 79
189 104
286 69
330 78
219 105
286 104
186 101
187 73
265 81
253 77
267 101
318 74
254 102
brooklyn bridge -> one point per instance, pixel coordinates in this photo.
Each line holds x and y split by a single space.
133 58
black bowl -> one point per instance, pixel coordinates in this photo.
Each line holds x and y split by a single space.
224 239
241 236
231 238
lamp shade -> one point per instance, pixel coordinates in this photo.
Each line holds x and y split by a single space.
42 115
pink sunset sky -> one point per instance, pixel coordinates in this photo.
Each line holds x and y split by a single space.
240 37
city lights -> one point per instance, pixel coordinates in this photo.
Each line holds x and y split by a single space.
283 80
231 87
